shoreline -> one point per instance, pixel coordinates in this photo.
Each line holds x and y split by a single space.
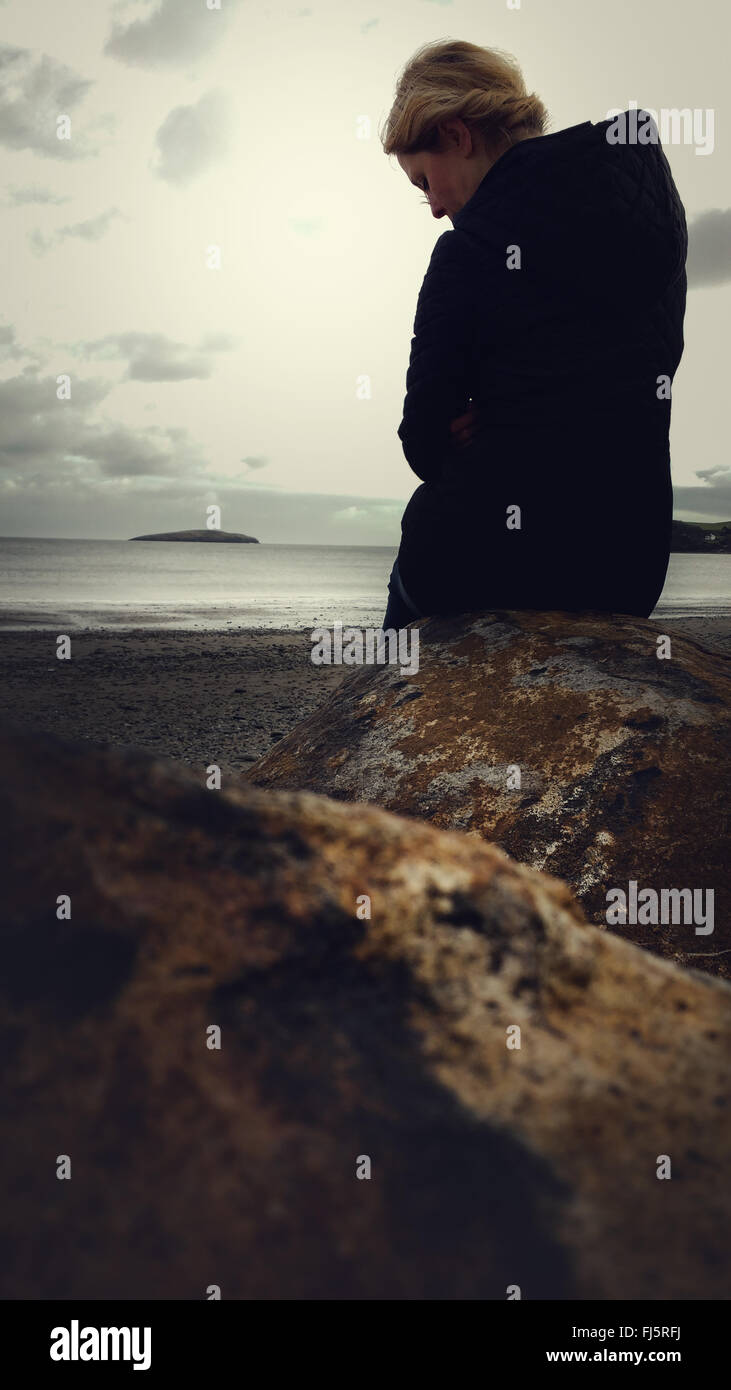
212 620
200 696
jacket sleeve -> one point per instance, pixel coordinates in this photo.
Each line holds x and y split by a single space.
440 375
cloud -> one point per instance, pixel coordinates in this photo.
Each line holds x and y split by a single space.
709 248
370 513
8 345
34 92
218 342
35 426
92 229
192 138
711 501
44 438
711 472
19 197
154 357
121 452
177 32
65 472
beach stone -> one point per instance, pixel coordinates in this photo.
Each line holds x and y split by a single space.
293 1048
622 755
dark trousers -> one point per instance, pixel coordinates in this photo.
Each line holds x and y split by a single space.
400 610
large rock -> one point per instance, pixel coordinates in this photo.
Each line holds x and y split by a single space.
340 1039
623 757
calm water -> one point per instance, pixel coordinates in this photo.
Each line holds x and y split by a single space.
190 584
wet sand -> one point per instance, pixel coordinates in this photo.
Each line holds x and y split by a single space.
199 696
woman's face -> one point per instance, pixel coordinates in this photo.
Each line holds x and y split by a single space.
449 175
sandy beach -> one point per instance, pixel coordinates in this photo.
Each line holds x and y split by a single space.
201 697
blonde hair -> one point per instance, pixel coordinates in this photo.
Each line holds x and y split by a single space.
449 78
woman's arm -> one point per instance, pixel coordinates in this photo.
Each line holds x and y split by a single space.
440 376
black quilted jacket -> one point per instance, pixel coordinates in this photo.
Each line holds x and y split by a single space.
569 359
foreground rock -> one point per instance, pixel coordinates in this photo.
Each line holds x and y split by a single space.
623 758
340 1039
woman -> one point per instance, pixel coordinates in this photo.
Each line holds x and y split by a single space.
548 329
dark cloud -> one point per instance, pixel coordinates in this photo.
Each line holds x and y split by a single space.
713 500
177 32
155 452
34 92
709 248
35 425
192 138
42 437
8 345
714 472
154 357
256 461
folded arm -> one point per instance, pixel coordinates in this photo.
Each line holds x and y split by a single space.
440 376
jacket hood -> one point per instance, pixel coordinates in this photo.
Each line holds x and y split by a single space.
602 219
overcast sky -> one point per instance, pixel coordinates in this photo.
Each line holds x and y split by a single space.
273 384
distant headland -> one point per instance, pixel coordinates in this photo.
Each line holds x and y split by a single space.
701 537
204 535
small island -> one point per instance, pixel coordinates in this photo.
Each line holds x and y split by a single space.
204 535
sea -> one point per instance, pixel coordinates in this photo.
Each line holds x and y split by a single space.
88 584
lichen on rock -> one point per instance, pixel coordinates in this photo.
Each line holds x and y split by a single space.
342 1036
623 756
